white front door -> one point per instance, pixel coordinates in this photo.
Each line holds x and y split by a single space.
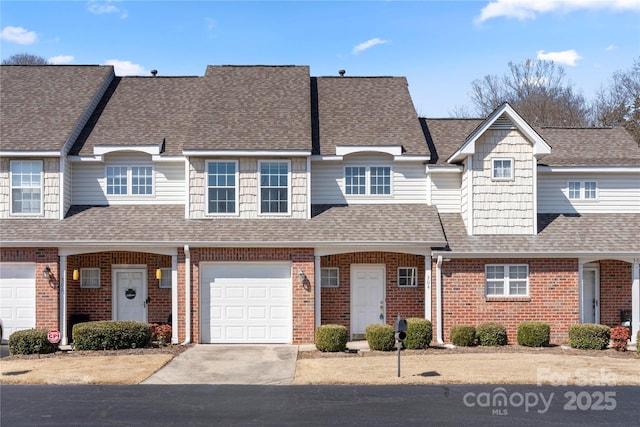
590 295
130 294
367 298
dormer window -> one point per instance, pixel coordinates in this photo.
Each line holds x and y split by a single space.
129 180
361 180
583 190
502 169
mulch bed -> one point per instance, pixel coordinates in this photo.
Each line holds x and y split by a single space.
174 349
510 348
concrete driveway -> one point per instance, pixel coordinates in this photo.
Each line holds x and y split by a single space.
230 364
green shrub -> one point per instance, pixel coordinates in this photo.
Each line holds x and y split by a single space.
534 334
31 341
380 337
491 334
463 336
419 333
111 335
589 336
331 338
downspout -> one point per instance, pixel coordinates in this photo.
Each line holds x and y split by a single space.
187 296
439 300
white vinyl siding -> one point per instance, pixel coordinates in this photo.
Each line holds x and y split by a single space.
408 181
446 192
616 192
89 183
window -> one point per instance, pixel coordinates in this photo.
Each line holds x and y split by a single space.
221 187
583 190
502 169
408 277
377 177
26 186
125 180
274 187
380 180
165 281
355 180
329 277
507 280
90 278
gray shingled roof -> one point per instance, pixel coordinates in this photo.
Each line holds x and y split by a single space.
569 146
165 226
41 105
230 108
558 233
366 111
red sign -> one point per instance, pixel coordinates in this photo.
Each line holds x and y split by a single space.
54 336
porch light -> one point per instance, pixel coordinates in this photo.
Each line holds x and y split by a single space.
76 274
158 273
301 275
46 273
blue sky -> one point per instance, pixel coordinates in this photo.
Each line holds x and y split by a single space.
440 46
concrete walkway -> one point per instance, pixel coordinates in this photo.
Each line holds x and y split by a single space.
230 364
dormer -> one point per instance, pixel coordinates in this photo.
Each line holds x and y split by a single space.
499 175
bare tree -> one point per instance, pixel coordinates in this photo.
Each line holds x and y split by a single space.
619 103
25 59
537 90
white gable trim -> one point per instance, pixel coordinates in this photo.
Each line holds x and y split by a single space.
540 147
101 150
394 150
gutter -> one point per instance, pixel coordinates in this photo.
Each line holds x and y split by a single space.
187 296
439 300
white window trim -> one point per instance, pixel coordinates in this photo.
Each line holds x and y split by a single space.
415 276
511 170
289 201
83 272
237 188
166 276
505 286
367 180
41 210
324 284
582 197
129 194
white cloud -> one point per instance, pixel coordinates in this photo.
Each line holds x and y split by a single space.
102 7
530 9
368 44
18 35
568 57
611 47
61 59
126 68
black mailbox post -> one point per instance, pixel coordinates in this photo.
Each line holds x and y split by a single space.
400 328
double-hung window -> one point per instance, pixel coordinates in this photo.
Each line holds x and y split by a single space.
362 180
507 280
583 190
502 169
222 187
274 187
129 180
26 186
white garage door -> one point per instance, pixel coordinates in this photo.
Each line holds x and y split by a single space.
246 303
17 297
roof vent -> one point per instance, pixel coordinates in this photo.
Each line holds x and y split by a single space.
341 72
154 72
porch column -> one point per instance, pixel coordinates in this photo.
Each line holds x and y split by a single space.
64 340
427 287
439 317
635 300
174 299
317 288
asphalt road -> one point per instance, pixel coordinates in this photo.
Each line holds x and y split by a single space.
235 405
